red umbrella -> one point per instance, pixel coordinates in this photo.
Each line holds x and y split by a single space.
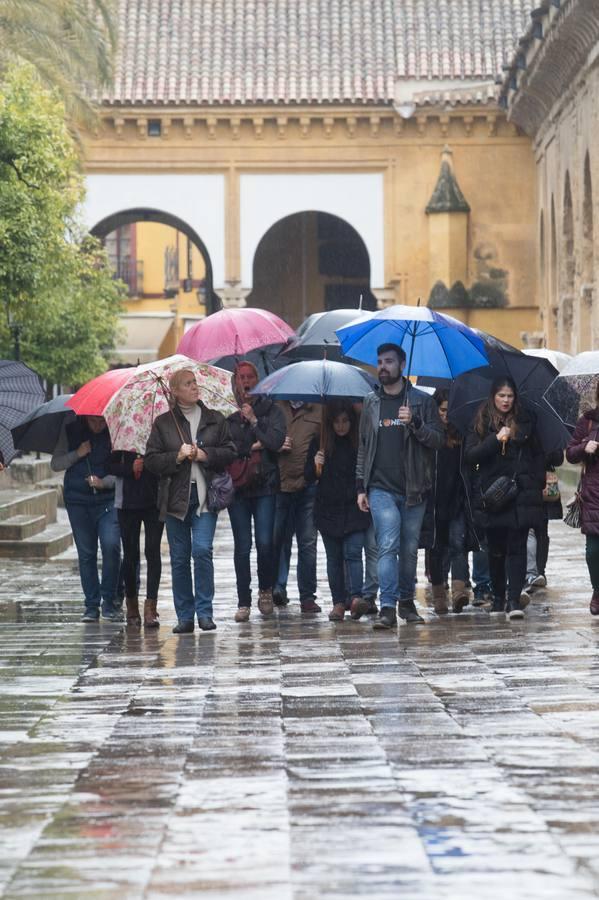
93 397
233 332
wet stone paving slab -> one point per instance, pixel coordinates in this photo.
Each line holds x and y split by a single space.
294 758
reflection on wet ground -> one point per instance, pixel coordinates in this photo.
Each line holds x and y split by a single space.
291 758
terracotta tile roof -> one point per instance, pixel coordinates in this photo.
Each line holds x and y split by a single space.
306 51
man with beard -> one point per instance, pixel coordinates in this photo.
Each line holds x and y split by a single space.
400 430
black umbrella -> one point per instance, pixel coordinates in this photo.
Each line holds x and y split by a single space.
266 359
531 375
316 337
20 391
41 429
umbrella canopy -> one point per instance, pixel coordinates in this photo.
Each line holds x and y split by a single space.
21 391
41 429
317 381
316 337
557 359
266 359
233 332
132 411
435 344
573 390
531 375
93 397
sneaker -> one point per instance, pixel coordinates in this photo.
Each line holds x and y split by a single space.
525 598
387 619
513 610
206 623
407 610
337 614
539 582
497 606
359 607
265 602
183 628
279 597
309 605
90 616
114 615
242 614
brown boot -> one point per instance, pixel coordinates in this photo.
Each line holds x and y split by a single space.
440 599
460 596
337 614
133 616
265 602
150 614
594 606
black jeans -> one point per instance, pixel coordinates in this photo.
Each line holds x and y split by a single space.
592 556
507 555
130 521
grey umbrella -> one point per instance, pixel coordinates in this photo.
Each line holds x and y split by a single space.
41 429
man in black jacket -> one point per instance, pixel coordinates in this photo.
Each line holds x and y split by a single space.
258 432
399 431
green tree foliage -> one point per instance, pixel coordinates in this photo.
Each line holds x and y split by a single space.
55 286
70 43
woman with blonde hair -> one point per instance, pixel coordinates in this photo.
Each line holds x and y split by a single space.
187 447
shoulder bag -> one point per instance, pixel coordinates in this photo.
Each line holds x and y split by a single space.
502 491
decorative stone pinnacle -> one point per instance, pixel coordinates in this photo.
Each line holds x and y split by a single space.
447 196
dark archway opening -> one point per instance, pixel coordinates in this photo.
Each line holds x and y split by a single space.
311 262
115 233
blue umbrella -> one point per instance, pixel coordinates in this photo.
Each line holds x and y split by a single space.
317 381
435 344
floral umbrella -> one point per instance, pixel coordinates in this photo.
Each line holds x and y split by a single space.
133 409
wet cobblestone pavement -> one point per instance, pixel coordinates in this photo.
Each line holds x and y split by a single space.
291 758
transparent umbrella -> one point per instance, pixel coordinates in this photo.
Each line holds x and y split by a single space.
574 390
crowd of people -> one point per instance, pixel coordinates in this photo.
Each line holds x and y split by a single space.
379 481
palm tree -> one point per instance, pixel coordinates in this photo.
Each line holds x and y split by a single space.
70 43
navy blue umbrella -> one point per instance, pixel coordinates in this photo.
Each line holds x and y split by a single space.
317 381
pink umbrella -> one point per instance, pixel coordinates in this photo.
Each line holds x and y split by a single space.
233 332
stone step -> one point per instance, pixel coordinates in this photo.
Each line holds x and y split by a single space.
52 540
55 483
29 470
28 503
17 528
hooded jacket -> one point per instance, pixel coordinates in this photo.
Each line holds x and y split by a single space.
423 436
213 437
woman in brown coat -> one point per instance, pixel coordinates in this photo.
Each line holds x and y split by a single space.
187 447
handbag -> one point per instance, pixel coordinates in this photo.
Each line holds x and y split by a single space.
551 491
220 492
502 491
246 470
573 516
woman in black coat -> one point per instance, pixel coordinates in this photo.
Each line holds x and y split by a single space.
503 442
336 515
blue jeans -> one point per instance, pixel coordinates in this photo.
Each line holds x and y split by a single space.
295 515
344 565
91 524
192 538
371 578
480 571
241 513
397 527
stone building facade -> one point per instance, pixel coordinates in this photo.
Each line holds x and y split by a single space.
303 147
552 93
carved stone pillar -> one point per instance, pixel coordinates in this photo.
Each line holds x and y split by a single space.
232 295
